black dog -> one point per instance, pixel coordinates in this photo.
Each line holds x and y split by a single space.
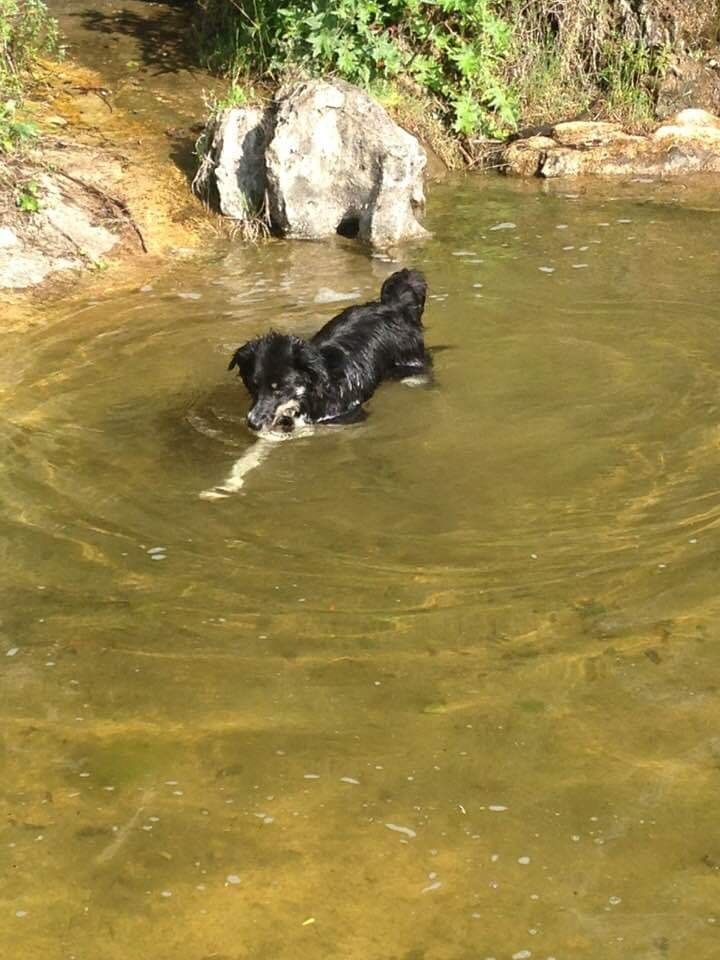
294 381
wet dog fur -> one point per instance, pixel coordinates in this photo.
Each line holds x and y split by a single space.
293 381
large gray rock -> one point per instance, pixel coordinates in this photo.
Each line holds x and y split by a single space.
324 158
337 160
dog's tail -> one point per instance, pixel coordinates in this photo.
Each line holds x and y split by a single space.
406 289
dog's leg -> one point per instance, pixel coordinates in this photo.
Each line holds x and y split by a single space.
252 458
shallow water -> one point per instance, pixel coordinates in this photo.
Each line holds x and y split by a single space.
442 684
145 54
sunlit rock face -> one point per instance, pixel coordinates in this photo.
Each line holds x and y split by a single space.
688 143
323 158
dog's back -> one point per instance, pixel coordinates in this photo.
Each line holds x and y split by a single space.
366 344
400 307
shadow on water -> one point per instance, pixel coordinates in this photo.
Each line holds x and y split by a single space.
163 43
146 56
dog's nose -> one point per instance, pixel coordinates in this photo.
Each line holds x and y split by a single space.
254 420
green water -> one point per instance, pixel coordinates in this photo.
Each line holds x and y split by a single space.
488 615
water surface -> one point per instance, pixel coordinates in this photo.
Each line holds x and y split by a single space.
441 685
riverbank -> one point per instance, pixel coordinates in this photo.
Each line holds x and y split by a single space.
104 178
478 71
92 186
108 178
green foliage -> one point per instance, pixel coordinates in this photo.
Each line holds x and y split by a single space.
629 75
237 95
590 57
485 65
13 132
451 49
28 197
26 32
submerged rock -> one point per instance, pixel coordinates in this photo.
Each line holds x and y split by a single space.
324 158
690 143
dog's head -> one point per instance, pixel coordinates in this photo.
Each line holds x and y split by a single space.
284 375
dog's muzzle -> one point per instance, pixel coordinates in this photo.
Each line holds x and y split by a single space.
282 417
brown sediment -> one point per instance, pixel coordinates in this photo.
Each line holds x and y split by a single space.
154 189
120 195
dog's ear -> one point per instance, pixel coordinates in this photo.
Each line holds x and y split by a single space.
244 360
309 360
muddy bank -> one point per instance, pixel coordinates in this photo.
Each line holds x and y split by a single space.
62 210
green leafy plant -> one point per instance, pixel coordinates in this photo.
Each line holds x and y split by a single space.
237 95
26 32
28 197
481 65
629 76
452 49
14 132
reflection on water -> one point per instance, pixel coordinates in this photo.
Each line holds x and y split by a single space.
441 684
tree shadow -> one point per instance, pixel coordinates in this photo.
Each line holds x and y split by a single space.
165 41
182 149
